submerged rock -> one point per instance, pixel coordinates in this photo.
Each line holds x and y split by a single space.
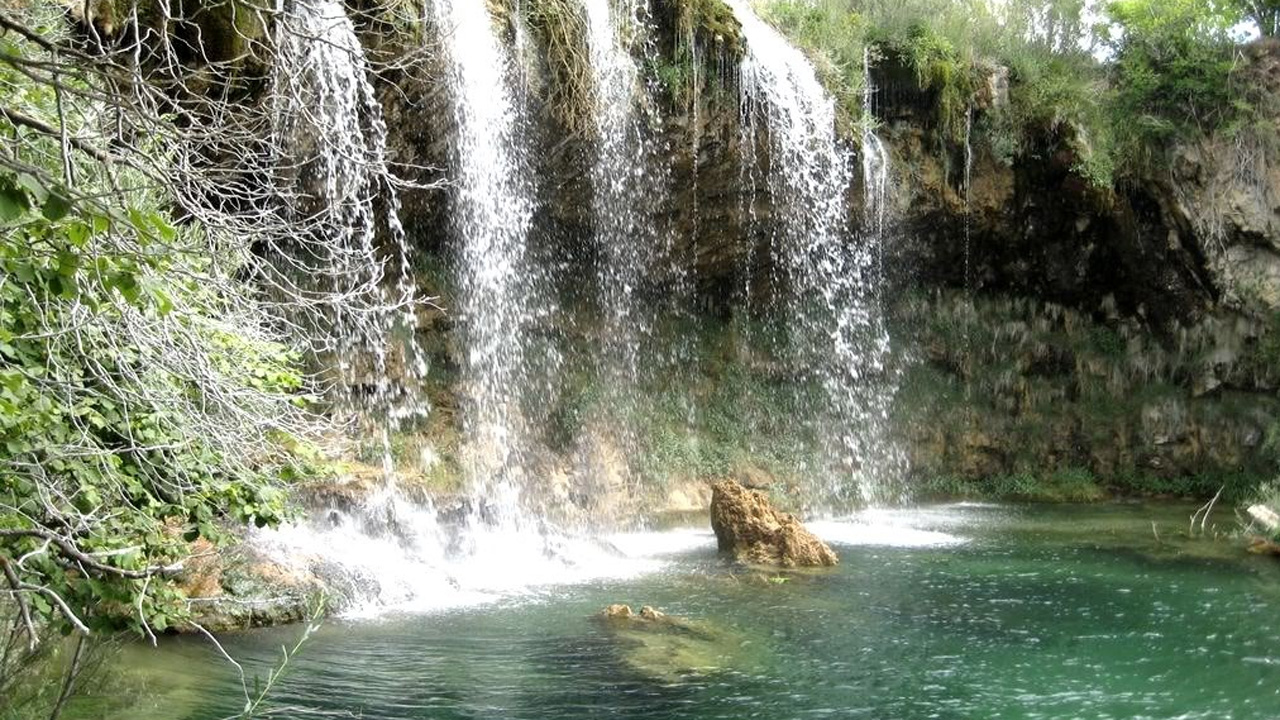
618 612
668 649
624 612
749 528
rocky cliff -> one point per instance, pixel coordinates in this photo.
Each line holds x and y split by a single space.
1125 336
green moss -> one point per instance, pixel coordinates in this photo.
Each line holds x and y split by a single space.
1036 396
941 68
709 23
700 41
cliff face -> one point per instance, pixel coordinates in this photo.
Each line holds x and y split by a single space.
1126 333
1131 334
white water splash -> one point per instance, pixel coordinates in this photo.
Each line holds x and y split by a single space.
837 334
899 529
389 554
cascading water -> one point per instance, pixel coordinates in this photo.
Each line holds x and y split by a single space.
968 183
371 543
329 127
836 333
875 161
491 214
332 136
628 184
388 550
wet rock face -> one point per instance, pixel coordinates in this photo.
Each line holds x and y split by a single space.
750 529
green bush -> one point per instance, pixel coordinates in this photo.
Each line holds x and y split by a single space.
1172 75
144 402
1168 71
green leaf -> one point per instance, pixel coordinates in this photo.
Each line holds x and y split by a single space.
13 203
56 207
32 185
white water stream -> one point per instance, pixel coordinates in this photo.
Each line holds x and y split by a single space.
837 334
492 211
332 139
629 183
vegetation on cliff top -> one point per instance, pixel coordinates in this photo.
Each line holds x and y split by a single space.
1118 88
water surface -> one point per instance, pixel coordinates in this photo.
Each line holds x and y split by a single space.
965 611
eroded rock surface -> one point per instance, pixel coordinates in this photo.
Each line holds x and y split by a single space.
752 530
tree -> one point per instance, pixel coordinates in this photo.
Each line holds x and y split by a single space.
168 276
1263 13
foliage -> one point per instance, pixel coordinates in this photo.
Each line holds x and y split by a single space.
1172 74
562 29
1115 95
700 38
1068 485
1265 14
144 399
940 67
709 23
106 415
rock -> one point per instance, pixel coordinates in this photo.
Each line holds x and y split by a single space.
618 612
648 613
201 575
252 591
1263 546
668 649
749 528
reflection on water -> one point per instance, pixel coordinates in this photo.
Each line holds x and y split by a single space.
971 612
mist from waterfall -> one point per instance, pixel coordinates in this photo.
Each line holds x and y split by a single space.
836 335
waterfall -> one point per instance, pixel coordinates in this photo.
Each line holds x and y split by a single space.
968 182
330 131
492 211
628 185
875 161
368 541
837 335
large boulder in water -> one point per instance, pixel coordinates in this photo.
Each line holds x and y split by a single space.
752 530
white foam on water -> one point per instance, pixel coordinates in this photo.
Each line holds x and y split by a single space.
390 555
662 543
890 528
